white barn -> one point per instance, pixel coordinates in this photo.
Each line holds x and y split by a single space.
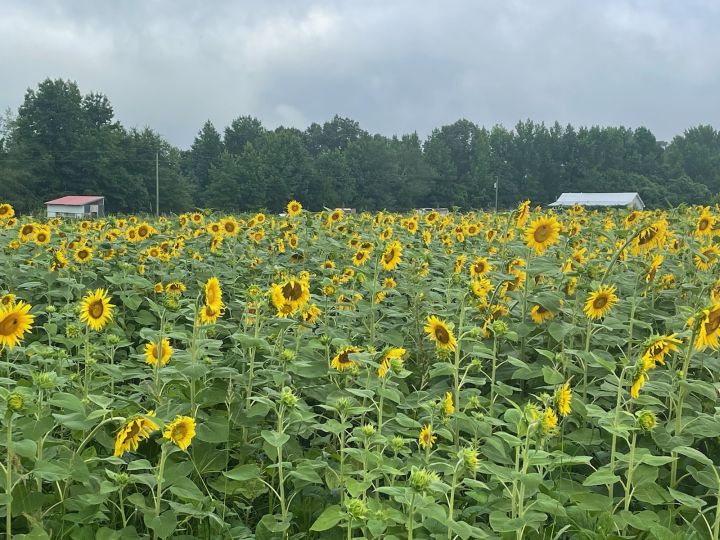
630 199
77 206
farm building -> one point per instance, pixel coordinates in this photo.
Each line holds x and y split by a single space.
629 199
77 206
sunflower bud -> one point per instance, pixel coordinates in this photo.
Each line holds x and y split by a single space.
499 328
122 479
420 479
646 420
288 355
44 380
397 444
357 508
15 402
287 398
368 430
469 458
50 309
171 303
324 340
343 406
72 331
113 339
396 365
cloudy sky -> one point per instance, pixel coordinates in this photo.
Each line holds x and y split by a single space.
396 66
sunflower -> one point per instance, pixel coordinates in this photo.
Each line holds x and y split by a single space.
83 254
290 295
131 434
294 208
426 439
42 236
197 218
709 334
715 292
181 431
213 294
360 258
6 211
27 231
144 230
523 214
96 309
439 331
650 237
431 217
705 223
481 287
459 263
542 233
657 348
335 216
15 321
600 302
654 266
480 267
539 314
341 361
563 398
639 381
448 404
152 354
391 256
427 237
209 315
549 421
393 356
707 257
311 313
631 218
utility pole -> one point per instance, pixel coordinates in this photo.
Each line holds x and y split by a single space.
496 193
157 184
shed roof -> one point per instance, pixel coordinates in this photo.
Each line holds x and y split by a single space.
598 199
76 200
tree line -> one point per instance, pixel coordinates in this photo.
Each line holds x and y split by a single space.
61 142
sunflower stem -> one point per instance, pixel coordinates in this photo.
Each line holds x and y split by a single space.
8 475
161 470
682 391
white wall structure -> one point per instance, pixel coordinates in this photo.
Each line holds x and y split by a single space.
630 199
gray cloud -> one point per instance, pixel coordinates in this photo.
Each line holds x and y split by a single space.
396 67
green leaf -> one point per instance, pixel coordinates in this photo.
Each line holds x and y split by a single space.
686 500
51 471
163 525
601 477
330 517
693 454
244 472
552 376
274 438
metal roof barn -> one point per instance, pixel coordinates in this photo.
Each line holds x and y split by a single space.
77 206
630 199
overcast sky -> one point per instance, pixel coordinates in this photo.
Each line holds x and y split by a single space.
396 66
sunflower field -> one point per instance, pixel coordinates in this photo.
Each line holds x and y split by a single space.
527 374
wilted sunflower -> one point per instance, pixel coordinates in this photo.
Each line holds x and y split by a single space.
391 256
709 333
439 331
523 214
563 399
341 361
131 434
600 302
181 431
707 257
542 233
175 288
426 439
213 294
294 208
15 321
539 314
152 354
657 348
654 266
641 377
96 309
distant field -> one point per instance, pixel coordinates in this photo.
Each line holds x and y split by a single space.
324 375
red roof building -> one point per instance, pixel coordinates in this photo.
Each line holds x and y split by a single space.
77 206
